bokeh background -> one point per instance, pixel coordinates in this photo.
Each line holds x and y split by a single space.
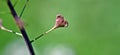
94 27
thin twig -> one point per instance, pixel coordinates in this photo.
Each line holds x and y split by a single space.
24 8
38 37
21 27
11 31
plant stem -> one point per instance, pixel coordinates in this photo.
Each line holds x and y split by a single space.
11 31
24 8
21 27
38 37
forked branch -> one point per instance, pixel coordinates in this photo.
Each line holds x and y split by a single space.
21 27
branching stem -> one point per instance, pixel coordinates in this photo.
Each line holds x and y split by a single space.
21 27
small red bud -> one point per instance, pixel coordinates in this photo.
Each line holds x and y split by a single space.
60 22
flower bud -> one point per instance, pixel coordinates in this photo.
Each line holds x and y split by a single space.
60 22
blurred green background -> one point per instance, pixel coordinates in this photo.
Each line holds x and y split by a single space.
94 27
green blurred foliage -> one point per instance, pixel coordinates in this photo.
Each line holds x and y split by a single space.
94 25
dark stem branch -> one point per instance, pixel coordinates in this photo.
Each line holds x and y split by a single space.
21 27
